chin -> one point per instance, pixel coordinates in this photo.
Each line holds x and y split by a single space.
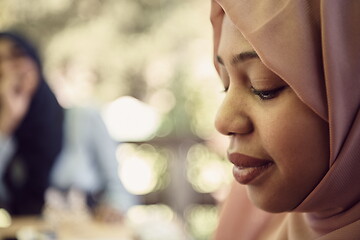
272 203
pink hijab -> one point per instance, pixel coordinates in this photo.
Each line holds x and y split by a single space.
314 45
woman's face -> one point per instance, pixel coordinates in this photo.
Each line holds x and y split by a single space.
17 66
279 146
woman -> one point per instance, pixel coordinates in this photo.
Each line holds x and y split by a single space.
290 71
44 145
30 127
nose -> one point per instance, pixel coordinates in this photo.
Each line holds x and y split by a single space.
232 116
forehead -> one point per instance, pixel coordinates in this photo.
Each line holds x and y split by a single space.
6 45
231 41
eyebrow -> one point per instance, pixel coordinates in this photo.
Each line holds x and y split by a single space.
241 57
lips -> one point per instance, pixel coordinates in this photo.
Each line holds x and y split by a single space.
247 168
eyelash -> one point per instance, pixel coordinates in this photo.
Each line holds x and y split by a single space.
225 90
263 94
267 94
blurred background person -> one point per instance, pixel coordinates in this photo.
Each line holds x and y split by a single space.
31 127
83 154
88 164
152 78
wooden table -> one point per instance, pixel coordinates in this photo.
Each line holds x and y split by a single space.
70 230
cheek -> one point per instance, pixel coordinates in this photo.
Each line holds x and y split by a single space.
30 75
297 140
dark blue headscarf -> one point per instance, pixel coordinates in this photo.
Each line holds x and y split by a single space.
39 141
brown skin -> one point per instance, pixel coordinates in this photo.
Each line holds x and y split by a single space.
279 127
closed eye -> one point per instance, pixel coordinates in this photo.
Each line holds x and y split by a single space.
267 94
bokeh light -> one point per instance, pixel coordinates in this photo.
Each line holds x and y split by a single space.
207 172
129 119
5 218
156 222
142 213
143 168
202 221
